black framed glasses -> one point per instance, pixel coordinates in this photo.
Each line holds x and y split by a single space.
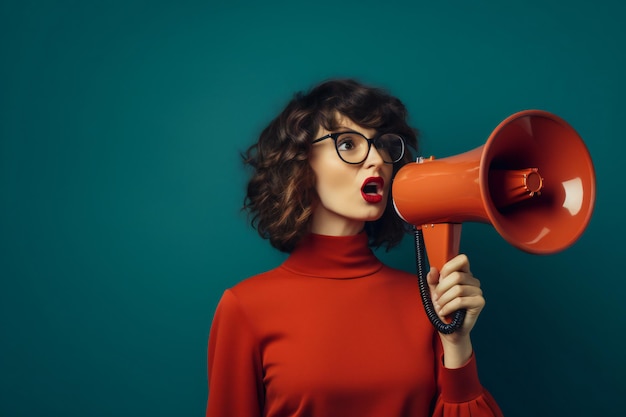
353 148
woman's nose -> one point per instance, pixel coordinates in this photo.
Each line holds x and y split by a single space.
374 157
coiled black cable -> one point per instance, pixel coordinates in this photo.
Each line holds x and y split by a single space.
440 325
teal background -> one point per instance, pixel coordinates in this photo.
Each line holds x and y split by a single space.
120 183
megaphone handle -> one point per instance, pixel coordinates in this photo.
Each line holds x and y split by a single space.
420 258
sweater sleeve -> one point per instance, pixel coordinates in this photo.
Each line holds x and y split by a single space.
461 393
234 364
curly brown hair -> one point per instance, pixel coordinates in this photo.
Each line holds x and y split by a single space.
281 191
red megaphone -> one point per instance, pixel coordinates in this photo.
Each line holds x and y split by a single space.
533 180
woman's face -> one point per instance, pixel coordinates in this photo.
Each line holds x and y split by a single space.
349 195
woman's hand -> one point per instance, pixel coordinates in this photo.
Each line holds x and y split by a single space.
451 289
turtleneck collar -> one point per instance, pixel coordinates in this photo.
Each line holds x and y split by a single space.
337 257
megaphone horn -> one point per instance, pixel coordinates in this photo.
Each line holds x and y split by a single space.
533 180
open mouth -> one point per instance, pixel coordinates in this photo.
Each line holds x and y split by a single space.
372 189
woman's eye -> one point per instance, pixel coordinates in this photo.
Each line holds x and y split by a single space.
345 144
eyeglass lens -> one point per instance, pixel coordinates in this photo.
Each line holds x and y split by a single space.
353 148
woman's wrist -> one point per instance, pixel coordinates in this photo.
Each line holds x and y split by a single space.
456 354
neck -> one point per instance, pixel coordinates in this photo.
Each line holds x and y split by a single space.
344 230
332 225
334 257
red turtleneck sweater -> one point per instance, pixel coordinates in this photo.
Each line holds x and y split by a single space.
332 332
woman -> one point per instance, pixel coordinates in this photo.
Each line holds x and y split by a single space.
332 331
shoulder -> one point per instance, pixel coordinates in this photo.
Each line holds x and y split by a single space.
398 273
264 281
257 289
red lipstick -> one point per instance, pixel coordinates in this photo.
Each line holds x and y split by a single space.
372 189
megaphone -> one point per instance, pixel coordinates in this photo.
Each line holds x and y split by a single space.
533 181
